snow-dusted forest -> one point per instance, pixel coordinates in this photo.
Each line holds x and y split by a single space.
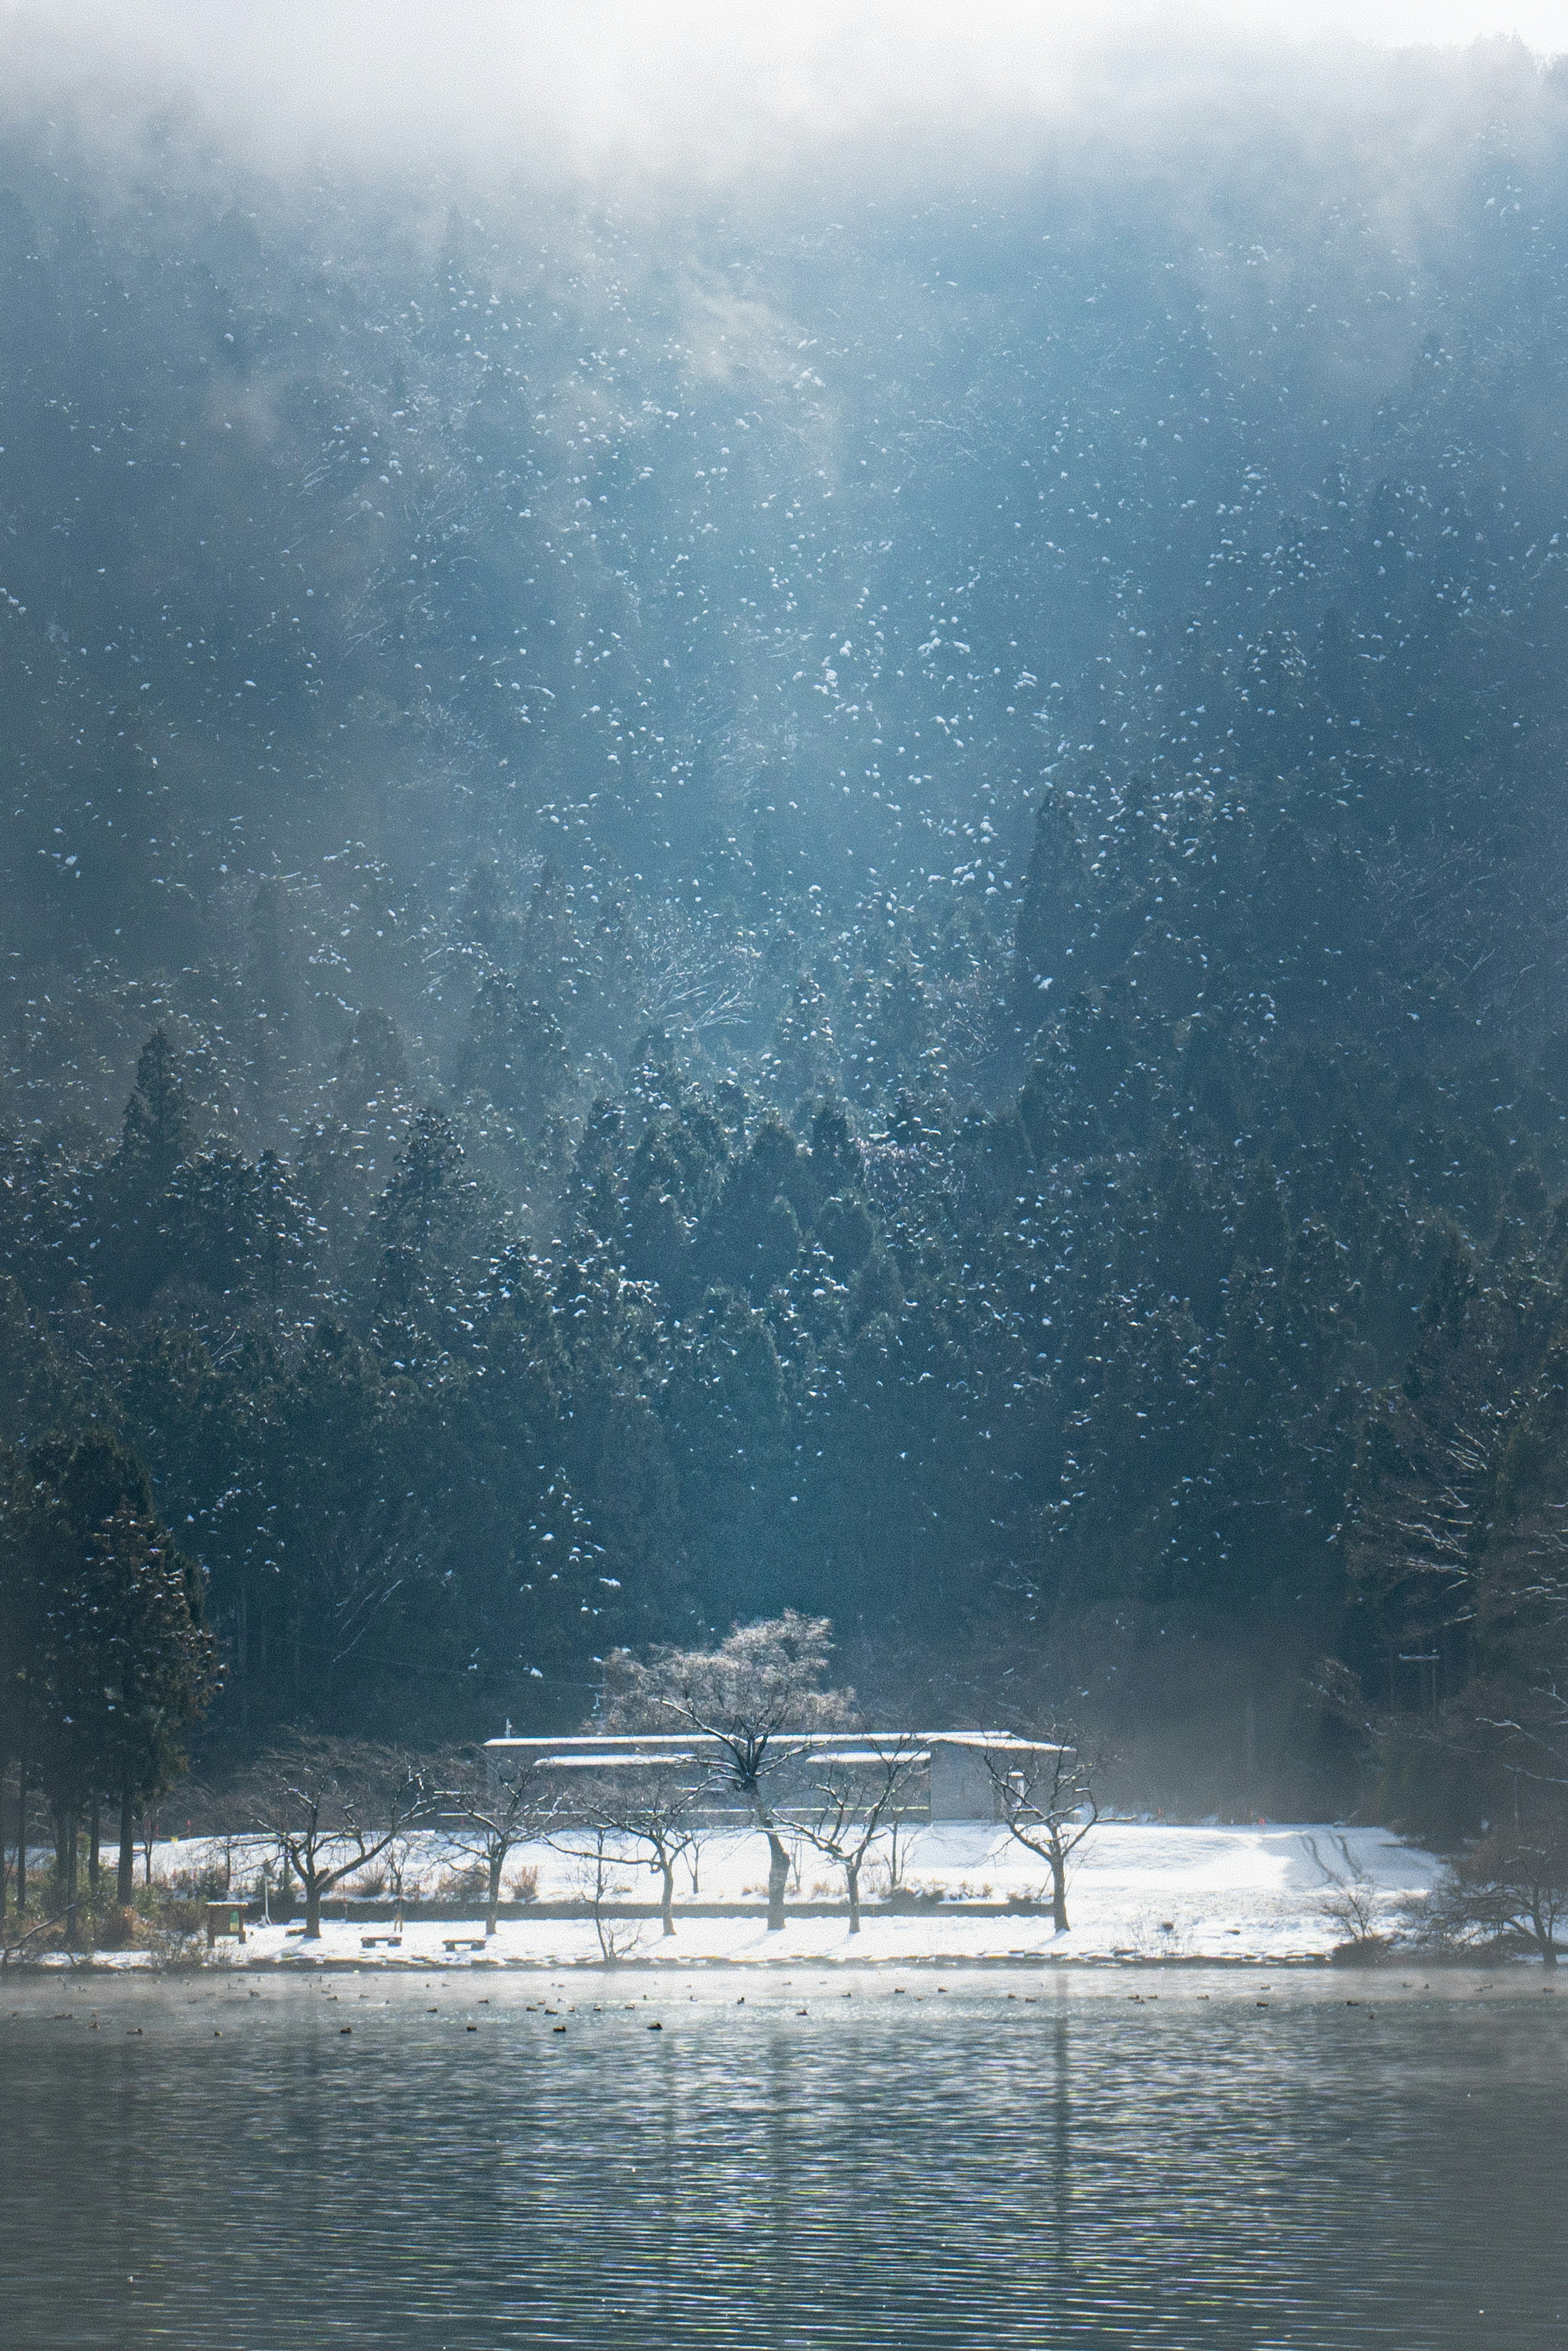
835 888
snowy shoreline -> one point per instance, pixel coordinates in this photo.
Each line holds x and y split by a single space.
1142 1894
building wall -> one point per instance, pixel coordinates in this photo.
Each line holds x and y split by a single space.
961 1785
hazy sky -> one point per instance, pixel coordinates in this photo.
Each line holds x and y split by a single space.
1543 23
715 82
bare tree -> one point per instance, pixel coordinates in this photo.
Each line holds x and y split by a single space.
1352 1903
1046 1796
691 979
656 1810
1492 1755
399 1854
1354 1907
618 1937
1510 1882
751 1699
861 1795
327 1807
497 1811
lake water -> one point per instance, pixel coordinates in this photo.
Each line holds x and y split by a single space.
1245 2160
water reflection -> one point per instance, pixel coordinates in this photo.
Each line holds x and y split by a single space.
438 2166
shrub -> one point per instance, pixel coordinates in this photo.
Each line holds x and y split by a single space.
1507 1893
118 1929
469 1885
206 1885
1354 1906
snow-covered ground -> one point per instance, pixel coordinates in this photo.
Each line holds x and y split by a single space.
1138 1891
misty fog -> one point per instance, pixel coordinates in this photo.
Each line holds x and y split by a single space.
783 1173
818 752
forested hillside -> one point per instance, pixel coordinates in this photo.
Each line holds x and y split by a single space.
851 901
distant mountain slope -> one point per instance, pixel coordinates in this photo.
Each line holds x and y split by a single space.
848 903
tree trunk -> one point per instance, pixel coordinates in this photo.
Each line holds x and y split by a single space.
493 1896
22 1837
1250 1748
70 1877
666 1870
1059 1892
94 1847
125 1874
312 1911
852 1875
1545 1939
778 1879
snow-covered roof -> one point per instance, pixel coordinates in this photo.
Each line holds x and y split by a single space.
606 1749
991 1741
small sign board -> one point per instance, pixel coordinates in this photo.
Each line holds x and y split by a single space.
225 1918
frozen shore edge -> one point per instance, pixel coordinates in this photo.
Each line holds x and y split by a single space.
1145 1895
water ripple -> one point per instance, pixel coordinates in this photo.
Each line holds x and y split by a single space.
969 2173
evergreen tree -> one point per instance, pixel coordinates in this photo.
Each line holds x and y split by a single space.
109 1651
140 1223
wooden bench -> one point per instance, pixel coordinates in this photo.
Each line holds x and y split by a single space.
462 1942
368 1942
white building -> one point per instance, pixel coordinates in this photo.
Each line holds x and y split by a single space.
961 1767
